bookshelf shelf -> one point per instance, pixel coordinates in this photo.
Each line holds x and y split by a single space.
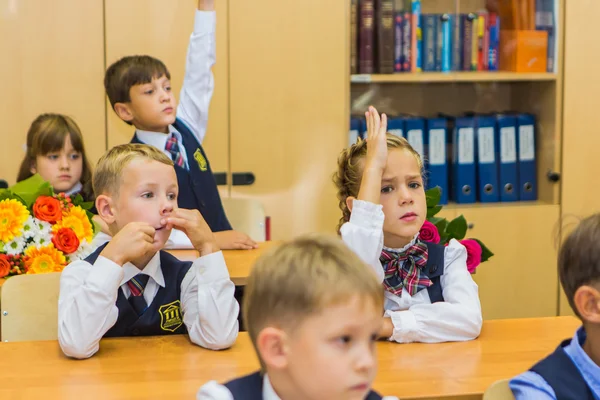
432 77
496 206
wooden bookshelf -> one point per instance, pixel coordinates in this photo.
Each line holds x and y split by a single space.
432 77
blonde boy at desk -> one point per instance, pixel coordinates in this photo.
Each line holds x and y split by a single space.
129 287
572 372
313 311
139 91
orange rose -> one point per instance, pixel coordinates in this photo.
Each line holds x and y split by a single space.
47 208
4 265
65 240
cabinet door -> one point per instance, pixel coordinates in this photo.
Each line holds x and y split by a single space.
162 29
520 280
580 191
52 62
289 114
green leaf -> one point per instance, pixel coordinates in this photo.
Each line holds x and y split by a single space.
435 220
86 205
457 228
444 238
442 225
433 196
485 252
7 194
31 188
77 200
433 211
95 225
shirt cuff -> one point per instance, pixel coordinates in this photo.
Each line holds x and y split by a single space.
205 22
105 274
366 214
405 324
211 267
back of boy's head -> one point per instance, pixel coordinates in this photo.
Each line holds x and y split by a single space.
350 167
301 278
107 176
47 134
129 71
579 258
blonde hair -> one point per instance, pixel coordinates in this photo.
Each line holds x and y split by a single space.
300 278
47 134
107 176
350 167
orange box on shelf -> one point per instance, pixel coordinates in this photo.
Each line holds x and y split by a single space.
523 51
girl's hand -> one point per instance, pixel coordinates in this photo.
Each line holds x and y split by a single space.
377 151
376 160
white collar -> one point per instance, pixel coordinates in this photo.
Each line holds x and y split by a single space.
268 392
75 189
158 139
403 249
152 269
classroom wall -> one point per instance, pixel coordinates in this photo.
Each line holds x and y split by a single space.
52 61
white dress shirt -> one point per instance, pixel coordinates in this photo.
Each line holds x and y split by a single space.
88 295
214 391
415 319
197 89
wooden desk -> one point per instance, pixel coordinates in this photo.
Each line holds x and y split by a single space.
239 262
166 367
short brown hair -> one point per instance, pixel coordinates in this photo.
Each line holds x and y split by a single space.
348 177
47 134
129 71
579 258
107 177
302 277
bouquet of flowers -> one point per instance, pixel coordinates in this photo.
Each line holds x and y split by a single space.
41 231
440 230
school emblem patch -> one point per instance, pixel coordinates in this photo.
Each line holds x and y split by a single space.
202 164
170 316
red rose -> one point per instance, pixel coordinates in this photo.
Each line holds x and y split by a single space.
47 208
65 240
429 233
4 265
473 253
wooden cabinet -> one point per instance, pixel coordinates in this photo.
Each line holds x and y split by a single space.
52 61
289 107
520 280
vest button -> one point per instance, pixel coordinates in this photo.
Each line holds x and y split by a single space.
433 268
136 332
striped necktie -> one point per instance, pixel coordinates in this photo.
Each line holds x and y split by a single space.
172 146
136 285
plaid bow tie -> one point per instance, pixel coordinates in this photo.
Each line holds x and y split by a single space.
405 270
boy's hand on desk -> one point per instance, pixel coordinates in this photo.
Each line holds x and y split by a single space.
133 241
234 240
195 227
